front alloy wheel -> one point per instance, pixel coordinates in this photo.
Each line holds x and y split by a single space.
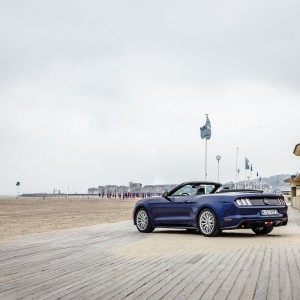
143 221
208 223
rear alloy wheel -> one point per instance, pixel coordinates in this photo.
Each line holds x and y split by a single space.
262 230
142 221
208 223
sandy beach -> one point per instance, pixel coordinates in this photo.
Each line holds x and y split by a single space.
22 216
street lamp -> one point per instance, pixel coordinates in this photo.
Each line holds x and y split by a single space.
218 157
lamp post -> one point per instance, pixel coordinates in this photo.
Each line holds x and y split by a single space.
218 157
238 176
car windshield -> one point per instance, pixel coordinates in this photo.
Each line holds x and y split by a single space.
192 190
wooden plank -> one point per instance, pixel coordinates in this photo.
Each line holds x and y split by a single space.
194 263
171 280
235 274
243 276
41 265
210 285
63 256
68 285
274 283
50 283
142 279
81 263
106 280
284 274
293 271
163 278
110 288
254 272
188 273
264 275
69 268
184 291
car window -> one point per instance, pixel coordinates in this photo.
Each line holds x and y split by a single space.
186 190
194 189
209 188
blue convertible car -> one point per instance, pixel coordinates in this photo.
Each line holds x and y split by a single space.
205 207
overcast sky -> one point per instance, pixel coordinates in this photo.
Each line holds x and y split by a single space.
107 92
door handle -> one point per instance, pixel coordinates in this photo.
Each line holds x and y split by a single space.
188 201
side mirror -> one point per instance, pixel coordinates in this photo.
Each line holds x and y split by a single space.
165 194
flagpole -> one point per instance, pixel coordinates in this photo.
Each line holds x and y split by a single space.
245 175
236 166
205 159
205 133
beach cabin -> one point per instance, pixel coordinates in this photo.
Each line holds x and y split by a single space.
294 181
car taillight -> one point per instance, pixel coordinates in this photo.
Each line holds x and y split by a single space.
243 202
281 201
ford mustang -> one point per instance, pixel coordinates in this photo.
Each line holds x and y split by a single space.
206 207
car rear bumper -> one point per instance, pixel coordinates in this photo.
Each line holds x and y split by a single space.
252 223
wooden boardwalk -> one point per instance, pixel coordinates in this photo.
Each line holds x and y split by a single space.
85 264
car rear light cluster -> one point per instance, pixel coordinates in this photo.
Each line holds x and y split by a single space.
243 202
281 201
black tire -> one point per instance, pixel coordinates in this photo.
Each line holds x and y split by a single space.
262 230
208 223
143 222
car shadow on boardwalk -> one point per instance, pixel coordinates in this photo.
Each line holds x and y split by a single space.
115 261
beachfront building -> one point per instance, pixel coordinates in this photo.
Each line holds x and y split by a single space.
134 186
294 181
133 189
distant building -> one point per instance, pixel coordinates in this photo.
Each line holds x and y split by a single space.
92 191
134 186
297 150
294 181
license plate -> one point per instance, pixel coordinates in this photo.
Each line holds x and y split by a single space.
267 212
